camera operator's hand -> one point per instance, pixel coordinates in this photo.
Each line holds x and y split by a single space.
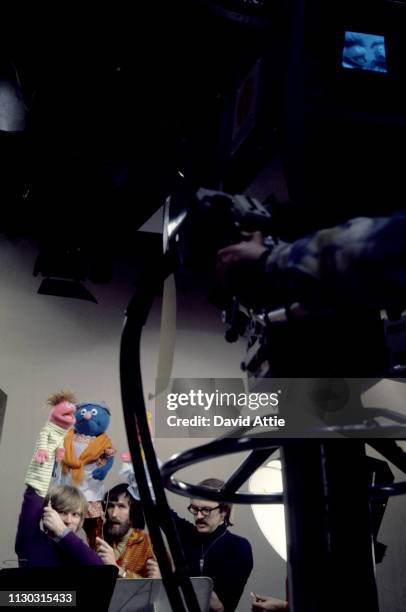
246 252
264 602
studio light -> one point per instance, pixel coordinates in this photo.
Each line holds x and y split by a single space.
65 288
63 268
270 518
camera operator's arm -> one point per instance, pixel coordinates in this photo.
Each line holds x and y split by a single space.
241 268
249 250
265 602
360 261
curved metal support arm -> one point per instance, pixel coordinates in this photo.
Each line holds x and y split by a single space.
157 513
384 491
221 446
262 448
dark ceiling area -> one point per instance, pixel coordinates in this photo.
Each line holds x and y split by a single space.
99 110
109 105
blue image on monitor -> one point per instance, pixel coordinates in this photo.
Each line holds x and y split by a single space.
364 52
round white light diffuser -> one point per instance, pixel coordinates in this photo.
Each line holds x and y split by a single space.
270 517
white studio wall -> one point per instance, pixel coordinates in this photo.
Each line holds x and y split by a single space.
48 343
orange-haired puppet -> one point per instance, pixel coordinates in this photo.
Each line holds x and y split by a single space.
49 446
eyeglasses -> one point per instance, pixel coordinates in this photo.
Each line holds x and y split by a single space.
204 510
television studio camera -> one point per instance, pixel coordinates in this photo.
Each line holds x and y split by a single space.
288 333
197 225
326 513
197 222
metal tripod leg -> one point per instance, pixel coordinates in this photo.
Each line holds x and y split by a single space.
330 551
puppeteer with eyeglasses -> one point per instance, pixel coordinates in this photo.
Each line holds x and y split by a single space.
212 550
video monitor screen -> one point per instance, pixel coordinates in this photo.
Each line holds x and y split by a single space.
363 51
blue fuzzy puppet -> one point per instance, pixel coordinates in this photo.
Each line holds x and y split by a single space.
89 455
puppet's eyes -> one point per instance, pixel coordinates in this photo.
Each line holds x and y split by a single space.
94 411
83 411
